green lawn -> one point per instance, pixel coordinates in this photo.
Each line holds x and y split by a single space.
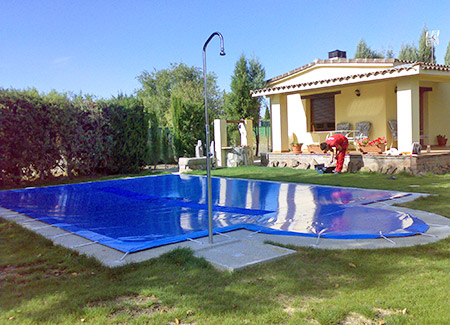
43 283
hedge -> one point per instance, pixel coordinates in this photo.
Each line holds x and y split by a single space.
43 135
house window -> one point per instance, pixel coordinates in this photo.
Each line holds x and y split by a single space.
322 114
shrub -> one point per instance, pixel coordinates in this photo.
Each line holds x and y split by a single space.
188 126
165 158
154 139
41 134
29 136
86 139
128 127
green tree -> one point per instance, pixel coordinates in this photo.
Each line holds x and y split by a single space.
28 135
389 54
447 55
188 122
425 53
239 101
165 146
240 104
267 114
365 52
158 88
154 139
408 52
128 124
84 137
257 79
362 50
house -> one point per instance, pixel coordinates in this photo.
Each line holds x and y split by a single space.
309 102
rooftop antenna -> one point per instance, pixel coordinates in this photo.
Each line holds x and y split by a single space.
432 39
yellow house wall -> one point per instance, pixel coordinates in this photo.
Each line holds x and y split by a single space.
376 104
438 111
391 101
391 109
426 112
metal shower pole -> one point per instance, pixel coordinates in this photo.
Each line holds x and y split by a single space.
208 144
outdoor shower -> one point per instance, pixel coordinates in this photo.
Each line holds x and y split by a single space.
208 144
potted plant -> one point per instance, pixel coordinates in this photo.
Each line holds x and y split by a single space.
372 146
362 142
296 147
442 140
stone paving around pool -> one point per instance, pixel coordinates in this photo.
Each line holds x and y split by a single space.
241 248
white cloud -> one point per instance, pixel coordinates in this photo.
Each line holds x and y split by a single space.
62 61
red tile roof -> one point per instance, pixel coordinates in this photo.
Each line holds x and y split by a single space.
330 61
399 66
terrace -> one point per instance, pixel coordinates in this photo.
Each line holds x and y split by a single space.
437 161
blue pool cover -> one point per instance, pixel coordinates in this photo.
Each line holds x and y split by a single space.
134 214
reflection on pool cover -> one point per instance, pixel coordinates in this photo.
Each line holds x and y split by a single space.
135 214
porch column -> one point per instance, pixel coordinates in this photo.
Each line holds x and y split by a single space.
408 126
280 139
297 122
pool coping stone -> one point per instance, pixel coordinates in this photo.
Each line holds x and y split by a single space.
239 248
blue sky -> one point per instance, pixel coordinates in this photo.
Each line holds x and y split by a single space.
100 47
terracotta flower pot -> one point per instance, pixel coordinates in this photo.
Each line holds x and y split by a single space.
442 142
297 148
374 149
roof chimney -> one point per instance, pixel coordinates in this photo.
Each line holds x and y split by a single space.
337 54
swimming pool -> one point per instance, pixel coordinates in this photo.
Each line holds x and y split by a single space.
134 214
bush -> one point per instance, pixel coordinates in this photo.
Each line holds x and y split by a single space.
164 146
188 126
128 126
86 138
154 139
28 136
44 135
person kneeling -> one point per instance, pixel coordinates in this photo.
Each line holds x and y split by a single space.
340 143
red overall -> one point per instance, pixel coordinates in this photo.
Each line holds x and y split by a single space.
336 141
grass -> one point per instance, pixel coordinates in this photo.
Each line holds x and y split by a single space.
62 180
43 283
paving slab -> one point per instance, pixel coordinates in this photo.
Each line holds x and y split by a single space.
237 254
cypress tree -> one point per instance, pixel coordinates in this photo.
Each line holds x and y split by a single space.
408 52
188 121
447 55
155 145
267 114
425 52
164 146
240 104
363 51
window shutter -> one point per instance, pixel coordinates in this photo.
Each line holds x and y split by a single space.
323 110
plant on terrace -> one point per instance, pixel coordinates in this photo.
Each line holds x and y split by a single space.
368 142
